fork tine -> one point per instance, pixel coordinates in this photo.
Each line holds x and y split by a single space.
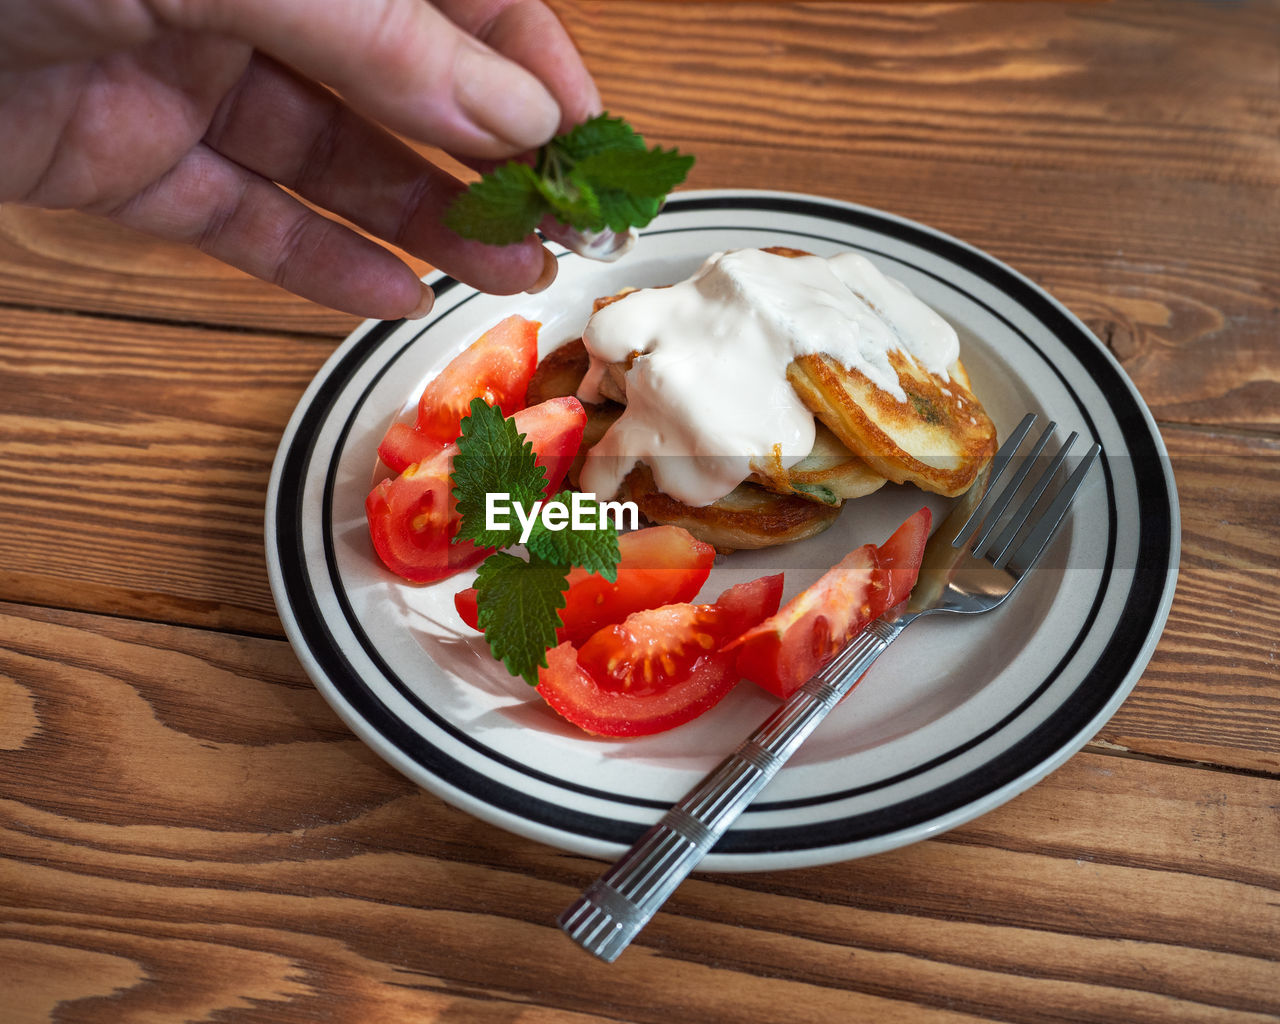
998 464
1030 550
1001 501
1004 542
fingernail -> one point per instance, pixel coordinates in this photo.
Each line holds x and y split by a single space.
424 305
504 99
550 267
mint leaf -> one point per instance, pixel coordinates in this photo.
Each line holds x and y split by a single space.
571 201
518 601
501 208
593 549
620 211
598 175
600 134
630 186
493 458
517 606
655 172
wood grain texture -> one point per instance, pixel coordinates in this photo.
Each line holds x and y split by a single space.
204 837
189 833
133 465
1012 85
69 260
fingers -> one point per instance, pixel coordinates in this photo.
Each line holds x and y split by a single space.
401 62
529 33
246 221
295 133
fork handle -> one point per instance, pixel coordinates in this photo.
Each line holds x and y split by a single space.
620 902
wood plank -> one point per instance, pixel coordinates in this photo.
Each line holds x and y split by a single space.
1007 85
203 834
133 465
67 260
1186 304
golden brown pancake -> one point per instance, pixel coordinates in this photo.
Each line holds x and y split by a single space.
559 373
938 439
750 516
747 517
829 474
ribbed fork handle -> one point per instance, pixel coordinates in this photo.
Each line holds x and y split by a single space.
617 905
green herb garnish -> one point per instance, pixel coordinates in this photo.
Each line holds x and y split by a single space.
599 175
518 600
518 606
594 549
493 458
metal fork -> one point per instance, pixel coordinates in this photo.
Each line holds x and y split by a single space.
972 563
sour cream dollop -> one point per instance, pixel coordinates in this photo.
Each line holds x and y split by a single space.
708 391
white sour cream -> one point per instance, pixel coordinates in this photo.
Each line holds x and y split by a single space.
708 392
605 246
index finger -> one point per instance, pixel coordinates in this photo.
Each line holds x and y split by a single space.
402 62
529 33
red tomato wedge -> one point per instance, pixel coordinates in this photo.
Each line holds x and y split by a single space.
898 559
402 446
412 518
658 668
784 651
496 367
658 565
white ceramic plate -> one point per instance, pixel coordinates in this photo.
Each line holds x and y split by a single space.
957 717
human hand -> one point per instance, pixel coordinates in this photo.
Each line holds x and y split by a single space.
189 119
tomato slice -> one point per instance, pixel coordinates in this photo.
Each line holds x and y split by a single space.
783 652
413 518
412 523
554 428
898 559
658 565
402 446
496 367
603 688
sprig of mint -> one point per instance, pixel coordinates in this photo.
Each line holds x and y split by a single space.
598 175
595 550
518 600
518 606
493 457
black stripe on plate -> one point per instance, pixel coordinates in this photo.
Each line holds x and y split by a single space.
466 739
1097 689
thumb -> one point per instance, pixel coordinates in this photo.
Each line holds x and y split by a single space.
400 62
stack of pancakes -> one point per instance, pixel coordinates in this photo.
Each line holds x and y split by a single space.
939 439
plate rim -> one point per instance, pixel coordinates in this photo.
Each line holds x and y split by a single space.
739 850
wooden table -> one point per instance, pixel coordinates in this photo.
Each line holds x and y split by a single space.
189 833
